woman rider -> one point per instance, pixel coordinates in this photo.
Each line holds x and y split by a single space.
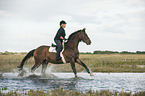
59 37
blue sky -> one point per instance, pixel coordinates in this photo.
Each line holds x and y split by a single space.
116 25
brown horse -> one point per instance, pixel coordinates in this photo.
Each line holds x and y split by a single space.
70 53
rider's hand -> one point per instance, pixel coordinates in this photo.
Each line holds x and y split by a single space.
61 37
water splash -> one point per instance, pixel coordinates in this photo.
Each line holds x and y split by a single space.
22 73
1 75
49 69
26 73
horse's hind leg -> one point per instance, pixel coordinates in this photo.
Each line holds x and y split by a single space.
35 67
38 62
44 66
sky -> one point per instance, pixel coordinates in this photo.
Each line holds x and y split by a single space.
114 25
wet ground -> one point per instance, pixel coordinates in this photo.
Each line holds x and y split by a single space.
133 82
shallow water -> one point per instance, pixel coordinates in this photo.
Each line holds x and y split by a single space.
133 82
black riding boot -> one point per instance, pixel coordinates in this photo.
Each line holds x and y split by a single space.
59 49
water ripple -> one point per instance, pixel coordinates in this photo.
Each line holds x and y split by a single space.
101 81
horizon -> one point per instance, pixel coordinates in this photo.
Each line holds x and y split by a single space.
79 52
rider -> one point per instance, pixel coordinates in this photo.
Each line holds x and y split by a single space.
59 37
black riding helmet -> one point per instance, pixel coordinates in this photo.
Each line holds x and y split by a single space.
62 22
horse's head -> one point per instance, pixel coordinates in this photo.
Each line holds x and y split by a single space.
84 37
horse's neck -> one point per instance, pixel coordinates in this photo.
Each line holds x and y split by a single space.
73 43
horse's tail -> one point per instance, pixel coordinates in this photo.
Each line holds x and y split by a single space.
30 54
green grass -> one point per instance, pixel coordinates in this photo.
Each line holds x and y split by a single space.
64 92
115 62
10 62
96 62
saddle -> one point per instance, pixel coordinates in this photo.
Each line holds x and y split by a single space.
55 46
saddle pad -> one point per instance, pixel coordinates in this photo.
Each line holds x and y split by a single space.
52 49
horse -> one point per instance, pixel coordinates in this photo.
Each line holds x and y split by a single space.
71 53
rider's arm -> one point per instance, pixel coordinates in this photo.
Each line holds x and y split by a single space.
59 35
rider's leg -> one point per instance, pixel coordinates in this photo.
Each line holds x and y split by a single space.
59 49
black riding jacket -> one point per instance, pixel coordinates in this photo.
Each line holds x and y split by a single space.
60 32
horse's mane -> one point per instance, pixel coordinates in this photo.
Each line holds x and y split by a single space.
73 34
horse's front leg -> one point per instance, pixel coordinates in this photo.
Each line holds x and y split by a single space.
73 67
84 65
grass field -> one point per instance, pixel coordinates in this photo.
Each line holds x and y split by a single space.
96 62
64 92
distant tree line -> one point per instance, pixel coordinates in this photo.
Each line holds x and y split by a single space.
113 52
8 53
122 52
86 53
95 52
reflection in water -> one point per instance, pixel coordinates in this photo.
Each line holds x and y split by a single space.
55 83
50 81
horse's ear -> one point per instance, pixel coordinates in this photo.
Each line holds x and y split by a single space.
84 29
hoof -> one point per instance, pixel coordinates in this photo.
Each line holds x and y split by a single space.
22 73
20 68
91 74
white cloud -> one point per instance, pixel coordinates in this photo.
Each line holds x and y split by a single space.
111 24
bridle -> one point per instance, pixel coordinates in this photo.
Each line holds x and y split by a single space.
82 36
